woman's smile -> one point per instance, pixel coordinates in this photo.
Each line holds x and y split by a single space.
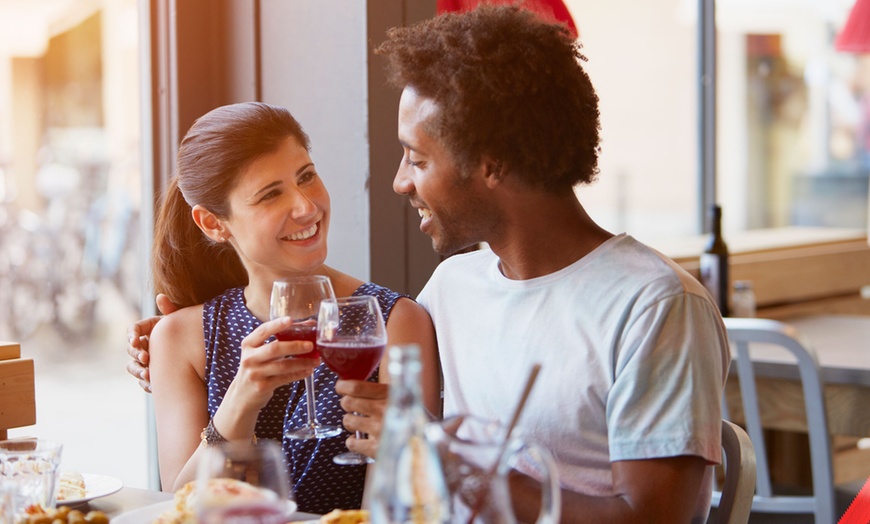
304 234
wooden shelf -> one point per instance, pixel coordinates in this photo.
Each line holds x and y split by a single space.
793 270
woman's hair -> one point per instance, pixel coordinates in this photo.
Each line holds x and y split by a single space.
187 266
508 85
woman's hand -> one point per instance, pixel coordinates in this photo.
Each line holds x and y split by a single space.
264 367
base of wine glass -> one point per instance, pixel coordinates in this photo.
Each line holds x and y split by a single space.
352 458
312 432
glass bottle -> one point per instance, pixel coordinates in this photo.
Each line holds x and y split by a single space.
407 484
714 263
743 299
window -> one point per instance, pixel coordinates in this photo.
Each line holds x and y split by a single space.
69 206
792 116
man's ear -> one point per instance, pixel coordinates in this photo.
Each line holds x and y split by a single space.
210 224
493 171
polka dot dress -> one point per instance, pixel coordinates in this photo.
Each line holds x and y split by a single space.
319 485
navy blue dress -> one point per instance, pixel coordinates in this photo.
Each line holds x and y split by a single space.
319 485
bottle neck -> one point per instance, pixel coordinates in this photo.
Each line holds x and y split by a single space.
716 221
404 369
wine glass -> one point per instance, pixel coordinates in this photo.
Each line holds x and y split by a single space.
299 298
351 336
243 482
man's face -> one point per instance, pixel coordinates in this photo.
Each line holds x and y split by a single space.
452 204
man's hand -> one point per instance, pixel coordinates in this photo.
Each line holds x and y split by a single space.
137 342
365 403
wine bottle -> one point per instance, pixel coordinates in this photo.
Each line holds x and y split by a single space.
714 263
407 483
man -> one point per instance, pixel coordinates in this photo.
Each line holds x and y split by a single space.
498 123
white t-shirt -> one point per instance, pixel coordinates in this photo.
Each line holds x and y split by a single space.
634 357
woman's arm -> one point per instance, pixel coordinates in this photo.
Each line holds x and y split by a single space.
177 352
180 390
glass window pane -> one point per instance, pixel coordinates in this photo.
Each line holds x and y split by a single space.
70 259
792 115
643 61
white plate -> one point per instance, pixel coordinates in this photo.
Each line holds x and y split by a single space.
144 514
150 513
96 486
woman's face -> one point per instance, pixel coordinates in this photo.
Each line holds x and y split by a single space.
280 213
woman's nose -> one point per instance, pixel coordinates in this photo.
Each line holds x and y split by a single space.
302 206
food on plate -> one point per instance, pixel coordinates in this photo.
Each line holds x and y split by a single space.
220 491
346 516
70 486
35 514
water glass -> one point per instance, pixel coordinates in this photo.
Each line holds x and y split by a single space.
31 467
243 483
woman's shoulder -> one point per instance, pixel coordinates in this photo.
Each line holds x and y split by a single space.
343 284
346 285
181 325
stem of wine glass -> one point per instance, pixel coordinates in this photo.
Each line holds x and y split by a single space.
309 394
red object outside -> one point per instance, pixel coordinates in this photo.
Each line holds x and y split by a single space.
859 510
855 36
553 10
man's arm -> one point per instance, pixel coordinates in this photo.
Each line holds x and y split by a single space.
651 491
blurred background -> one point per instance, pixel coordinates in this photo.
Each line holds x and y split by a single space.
70 250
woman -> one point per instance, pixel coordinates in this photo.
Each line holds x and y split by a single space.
247 200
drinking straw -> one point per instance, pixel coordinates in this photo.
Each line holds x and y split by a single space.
533 375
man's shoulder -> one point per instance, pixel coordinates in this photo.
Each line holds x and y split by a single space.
631 262
457 272
463 261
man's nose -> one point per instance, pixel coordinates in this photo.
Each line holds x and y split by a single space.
402 182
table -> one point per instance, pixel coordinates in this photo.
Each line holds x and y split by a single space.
134 498
842 345
125 500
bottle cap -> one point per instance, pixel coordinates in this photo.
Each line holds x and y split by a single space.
740 285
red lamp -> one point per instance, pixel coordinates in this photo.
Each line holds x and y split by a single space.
554 10
855 36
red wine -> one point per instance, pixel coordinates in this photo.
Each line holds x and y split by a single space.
249 513
352 359
306 332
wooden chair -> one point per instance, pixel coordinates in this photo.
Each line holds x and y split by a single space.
742 333
734 501
17 392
